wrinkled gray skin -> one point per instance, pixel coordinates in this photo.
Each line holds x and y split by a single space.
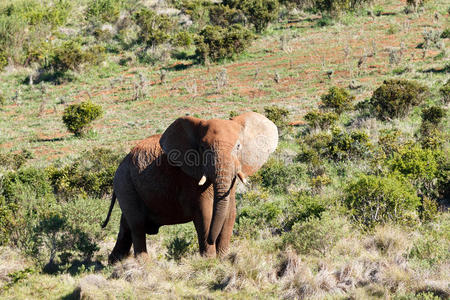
188 174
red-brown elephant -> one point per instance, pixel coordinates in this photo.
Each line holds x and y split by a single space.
189 174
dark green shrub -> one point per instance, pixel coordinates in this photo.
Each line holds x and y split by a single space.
278 176
445 34
375 199
390 141
182 39
338 99
260 215
198 10
56 240
71 56
425 168
3 60
433 114
323 120
2 99
347 145
90 174
103 10
277 115
77 116
216 43
14 160
259 12
395 98
222 15
445 92
317 235
155 29
302 207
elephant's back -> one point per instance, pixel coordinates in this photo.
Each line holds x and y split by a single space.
146 152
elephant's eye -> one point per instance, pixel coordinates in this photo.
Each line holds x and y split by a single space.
238 146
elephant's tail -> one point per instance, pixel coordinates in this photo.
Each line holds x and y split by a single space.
111 206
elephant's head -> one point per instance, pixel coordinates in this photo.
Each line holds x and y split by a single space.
217 151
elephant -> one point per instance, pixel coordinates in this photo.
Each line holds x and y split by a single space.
189 173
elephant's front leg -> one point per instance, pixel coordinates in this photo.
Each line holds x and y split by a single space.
224 238
202 222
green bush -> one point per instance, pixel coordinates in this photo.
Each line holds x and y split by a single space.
182 39
323 120
445 92
395 98
103 10
433 114
14 160
155 29
338 99
77 116
317 235
375 199
425 168
445 34
92 173
390 141
301 207
277 115
278 176
216 43
259 12
348 145
70 56
3 60
222 15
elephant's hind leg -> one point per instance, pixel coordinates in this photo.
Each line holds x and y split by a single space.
123 244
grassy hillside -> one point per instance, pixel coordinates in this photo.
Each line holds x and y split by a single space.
352 205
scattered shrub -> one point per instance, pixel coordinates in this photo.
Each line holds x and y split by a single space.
423 167
395 98
345 145
183 39
301 207
103 10
375 199
317 235
155 29
433 114
223 15
277 115
216 43
70 56
91 174
445 92
277 176
323 120
3 60
338 99
259 12
14 160
390 141
77 116
445 34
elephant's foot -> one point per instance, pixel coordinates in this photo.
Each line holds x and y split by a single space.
143 258
116 256
222 252
208 251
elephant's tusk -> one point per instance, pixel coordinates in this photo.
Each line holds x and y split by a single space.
202 180
242 177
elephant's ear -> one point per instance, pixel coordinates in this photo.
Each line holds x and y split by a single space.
259 138
179 142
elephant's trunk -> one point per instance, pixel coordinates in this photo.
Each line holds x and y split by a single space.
222 187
